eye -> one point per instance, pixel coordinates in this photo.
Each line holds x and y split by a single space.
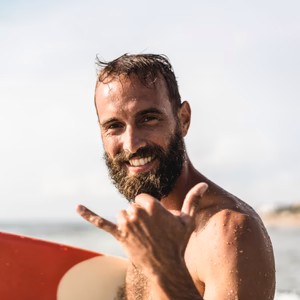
150 119
114 126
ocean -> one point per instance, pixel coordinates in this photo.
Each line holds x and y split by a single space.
286 244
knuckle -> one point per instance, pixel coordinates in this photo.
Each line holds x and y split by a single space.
99 222
91 218
122 217
124 225
134 208
133 217
137 209
136 213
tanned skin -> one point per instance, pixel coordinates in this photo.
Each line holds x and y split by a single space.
199 242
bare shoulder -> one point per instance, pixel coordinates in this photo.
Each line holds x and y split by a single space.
238 254
236 225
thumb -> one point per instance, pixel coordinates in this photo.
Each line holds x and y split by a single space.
192 199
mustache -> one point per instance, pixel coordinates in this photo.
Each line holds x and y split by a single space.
153 151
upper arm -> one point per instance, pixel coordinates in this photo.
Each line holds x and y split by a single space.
240 263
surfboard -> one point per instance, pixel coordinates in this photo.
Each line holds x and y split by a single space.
33 269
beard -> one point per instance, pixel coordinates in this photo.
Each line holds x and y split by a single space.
157 183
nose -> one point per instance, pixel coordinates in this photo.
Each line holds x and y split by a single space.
133 140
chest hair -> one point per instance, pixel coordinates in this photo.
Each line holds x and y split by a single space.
137 286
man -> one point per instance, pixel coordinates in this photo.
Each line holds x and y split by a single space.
186 237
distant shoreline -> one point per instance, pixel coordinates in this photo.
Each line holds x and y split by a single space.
282 219
283 215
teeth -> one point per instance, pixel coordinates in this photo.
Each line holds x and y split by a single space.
140 161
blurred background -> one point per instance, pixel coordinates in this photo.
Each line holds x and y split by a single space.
237 63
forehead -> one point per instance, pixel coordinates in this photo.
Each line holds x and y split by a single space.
130 94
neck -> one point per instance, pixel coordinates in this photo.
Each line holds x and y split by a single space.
187 179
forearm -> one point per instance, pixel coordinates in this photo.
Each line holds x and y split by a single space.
175 284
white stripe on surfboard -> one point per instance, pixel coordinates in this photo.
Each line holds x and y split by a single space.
93 279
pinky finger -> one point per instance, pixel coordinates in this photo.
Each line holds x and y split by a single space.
97 220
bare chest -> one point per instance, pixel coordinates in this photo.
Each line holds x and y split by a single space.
137 286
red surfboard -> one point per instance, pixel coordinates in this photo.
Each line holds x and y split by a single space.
33 269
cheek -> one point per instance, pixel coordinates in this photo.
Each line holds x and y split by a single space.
161 139
110 146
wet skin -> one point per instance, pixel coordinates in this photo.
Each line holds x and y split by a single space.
197 243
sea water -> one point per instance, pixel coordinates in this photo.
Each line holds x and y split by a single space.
286 244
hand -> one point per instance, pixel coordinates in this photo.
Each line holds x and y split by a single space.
152 237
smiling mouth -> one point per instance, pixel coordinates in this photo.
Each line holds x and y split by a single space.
138 162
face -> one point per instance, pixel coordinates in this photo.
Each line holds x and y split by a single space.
143 143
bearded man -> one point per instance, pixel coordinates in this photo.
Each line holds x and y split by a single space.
185 236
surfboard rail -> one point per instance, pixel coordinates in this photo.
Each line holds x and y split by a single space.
34 269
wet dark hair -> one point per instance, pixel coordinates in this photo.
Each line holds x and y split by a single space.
147 67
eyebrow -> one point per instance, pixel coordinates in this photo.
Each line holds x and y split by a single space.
148 111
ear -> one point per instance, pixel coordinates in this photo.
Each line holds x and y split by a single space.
184 115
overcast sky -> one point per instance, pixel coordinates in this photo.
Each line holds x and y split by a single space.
237 63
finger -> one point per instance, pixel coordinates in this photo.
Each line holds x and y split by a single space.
147 202
123 224
136 211
192 199
97 220
132 211
132 223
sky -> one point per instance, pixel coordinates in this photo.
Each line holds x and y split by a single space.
236 62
